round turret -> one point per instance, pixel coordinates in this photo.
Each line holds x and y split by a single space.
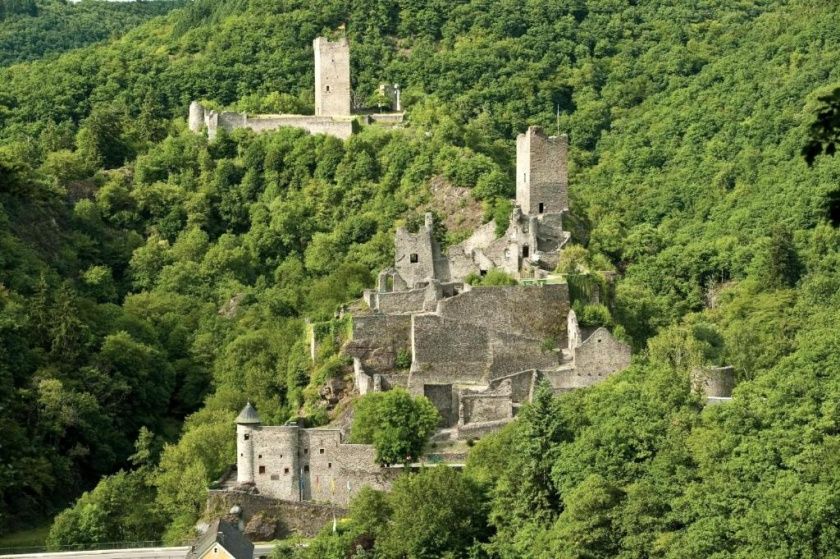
196 117
247 422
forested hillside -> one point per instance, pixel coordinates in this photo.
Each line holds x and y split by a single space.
152 282
32 29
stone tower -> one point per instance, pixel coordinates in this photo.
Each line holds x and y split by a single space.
417 255
332 77
196 118
246 423
542 180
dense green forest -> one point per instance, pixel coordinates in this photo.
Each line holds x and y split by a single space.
33 29
151 281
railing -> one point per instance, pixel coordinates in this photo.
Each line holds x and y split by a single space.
79 547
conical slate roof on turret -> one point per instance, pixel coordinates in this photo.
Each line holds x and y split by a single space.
248 416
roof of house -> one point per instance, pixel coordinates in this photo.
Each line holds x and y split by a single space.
225 534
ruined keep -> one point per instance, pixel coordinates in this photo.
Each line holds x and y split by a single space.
333 115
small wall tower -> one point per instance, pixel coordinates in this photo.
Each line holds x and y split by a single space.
246 423
196 118
332 77
542 179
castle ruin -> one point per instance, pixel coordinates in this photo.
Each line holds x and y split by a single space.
333 115
295 464
477 352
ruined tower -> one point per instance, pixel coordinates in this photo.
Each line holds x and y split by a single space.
541 172
246 422
196 118
332 77
418 257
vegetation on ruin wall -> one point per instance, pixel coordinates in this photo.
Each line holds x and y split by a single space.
150 279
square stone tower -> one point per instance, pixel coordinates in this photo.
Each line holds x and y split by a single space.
542 179
332 77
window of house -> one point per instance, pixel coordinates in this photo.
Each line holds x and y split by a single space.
320 451
262 469
329 464
274 477
482 273
306 469
524 177
525 251
285 470
247 436
259 455
306 451
413 258
328 89
542 207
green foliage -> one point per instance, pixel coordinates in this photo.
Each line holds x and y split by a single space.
150 279
592 315
493 277
396 423
32 29
420 527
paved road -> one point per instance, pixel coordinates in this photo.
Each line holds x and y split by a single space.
260 550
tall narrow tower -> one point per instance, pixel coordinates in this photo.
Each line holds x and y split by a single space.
542 179
332 77
246 424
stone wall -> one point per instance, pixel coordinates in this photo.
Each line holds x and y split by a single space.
446 350
601 354
418 257
714 382
332 77
378 338
341 128
336 470
493 404
266 518
277 466
297 464
537 312
396 302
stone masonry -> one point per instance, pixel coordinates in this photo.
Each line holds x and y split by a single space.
333 114
332 77
295 464
477 352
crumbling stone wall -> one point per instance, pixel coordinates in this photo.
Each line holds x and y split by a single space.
397 302
417 255
493 404
378 339
536 312
445 350
714 382
601 354
278 519
341 128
